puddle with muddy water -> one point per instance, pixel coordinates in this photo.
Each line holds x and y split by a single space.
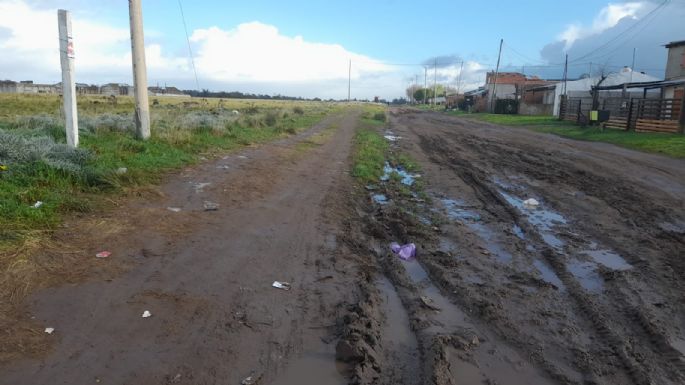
586 274
609 259
459 211
398 338
542 219
493 360
315 368
548 275
405 177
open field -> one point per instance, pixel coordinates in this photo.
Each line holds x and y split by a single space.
582 288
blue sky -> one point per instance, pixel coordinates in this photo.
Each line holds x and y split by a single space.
302 47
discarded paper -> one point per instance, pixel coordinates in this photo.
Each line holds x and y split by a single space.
37 204
174 209
281 285
147 314
531 202
211 206
49 330
405 252
103 254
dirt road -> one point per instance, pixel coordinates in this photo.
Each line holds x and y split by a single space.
583 288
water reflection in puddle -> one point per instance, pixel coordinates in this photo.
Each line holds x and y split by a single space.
380 199
586 274
542 219
548 275
518 232
609 259
405 177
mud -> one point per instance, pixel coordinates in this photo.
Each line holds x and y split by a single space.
585 288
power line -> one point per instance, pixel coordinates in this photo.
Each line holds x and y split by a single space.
190 51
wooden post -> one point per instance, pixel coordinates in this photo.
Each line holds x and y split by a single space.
682 112
142 114
580 103
630 114
66 55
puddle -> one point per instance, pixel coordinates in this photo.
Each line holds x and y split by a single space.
542 219
518 232
405 177
380 199
609 259
458 210
586 274
548 275
466 372
392 138
314 368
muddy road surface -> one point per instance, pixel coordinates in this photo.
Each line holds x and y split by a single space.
584 285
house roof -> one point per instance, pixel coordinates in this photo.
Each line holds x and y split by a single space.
675 44
646 85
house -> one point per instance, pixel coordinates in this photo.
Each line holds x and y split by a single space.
166 91
28 87
675 69
509 85
581 88
116 89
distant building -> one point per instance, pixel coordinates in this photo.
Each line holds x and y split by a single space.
27 87
116 89
675 69
509 85
166 91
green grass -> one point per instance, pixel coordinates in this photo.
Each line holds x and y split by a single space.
667 144
180 136
369 156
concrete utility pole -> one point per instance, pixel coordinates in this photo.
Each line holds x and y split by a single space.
494 86
632 66
565 74
435 80
425 85
66 56
461 69
349 82
142 114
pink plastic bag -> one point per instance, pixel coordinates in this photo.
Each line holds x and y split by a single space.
405 252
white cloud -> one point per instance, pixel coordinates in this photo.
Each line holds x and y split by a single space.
252 57
607 18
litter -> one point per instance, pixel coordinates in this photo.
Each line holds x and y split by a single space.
199 187
103 254
235 112
37 204
251 380
223 167
531 202
174 209
242 157
49 330
281 285
405 252
146 314
122 170
211 206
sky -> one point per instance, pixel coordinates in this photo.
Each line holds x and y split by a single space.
304 48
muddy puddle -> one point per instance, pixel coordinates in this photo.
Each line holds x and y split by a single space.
608 258
544 220
491 361
314 368
399 342
459 211
381 199
405 177
548 275
586 274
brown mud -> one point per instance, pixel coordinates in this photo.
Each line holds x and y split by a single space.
584 288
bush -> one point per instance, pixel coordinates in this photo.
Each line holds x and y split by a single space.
298 110
17 150
271 118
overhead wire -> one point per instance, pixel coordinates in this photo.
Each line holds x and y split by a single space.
190 50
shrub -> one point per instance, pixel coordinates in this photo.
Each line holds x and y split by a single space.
17 150
298 110
380 116
271 118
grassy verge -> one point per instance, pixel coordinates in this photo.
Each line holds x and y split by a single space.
37 166
672 145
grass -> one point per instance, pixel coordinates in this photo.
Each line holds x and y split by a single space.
369 157
672 145
183 130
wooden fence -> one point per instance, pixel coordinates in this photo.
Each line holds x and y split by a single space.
641 115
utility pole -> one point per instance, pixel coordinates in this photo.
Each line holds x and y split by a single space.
565 74
494 87
349 82
461 69
590 73
142 114
66 56
632 66
435 80
416 84
425 84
